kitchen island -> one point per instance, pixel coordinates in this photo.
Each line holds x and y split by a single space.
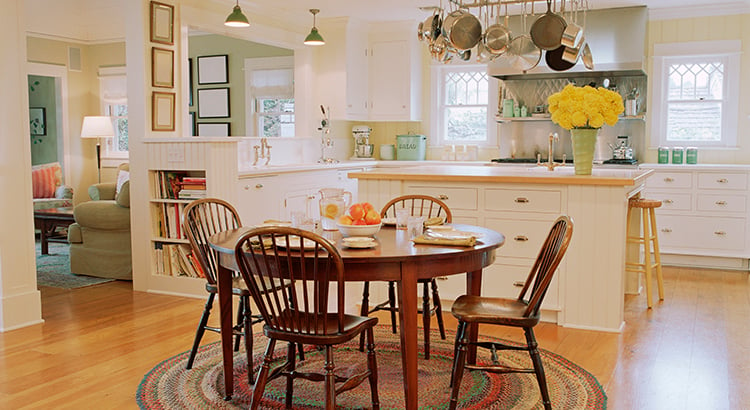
521 203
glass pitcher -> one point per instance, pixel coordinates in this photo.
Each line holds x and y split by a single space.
333 203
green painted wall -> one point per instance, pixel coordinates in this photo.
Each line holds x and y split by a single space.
42 95
237 51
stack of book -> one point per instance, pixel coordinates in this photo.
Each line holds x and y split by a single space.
192 188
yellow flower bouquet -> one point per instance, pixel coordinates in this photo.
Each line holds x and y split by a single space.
585 107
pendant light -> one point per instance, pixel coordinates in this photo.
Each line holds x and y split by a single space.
314 38
237 19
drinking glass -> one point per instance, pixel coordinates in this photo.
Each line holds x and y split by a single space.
300 220
415 226
402 217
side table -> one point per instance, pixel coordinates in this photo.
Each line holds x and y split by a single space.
48 220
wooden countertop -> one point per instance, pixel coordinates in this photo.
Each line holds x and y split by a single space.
504 174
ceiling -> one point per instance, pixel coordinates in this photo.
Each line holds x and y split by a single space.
97 25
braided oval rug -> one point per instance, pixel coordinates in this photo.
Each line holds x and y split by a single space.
170 386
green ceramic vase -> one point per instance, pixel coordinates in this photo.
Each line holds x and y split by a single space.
584 141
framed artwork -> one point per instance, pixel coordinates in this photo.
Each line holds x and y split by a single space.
193 131
190 81
162 67
38 121
213 103
213 129
213 70
162 115
162 23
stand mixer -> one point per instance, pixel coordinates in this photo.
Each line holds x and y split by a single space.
362 147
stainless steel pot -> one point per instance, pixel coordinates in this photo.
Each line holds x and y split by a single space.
462 29
547 30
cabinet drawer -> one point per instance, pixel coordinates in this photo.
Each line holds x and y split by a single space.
701 232
454 197
723 180
522 200
671 201
506 281
670 180
523 238
722 203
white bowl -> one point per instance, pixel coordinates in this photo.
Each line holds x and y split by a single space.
358 230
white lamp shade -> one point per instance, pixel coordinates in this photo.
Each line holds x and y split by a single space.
97 127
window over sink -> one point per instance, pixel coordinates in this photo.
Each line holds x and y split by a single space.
696 94
461 111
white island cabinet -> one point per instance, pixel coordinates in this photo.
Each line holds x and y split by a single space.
521 203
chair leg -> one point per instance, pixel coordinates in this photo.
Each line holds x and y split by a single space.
260 382
458 364
240 321
364 311
438 308
247 327
426 319
657 256
455 353
373 367
201 329
291 358
392 300
330 380
647 258
538 368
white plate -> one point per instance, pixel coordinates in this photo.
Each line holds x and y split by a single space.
441 228
388 221
361 242
276 223
294 243
452 234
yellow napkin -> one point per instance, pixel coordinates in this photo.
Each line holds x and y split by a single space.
438 220
421 239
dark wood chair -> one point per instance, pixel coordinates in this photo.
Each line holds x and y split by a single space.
522 312
201 219
429 207
304 263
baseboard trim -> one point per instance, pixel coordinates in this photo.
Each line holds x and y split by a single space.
709 262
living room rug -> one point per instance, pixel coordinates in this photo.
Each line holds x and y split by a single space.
53 269
170 386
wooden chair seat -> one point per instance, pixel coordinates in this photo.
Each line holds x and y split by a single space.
352 327
643 203
494 311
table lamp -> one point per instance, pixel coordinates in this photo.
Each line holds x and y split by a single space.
97 127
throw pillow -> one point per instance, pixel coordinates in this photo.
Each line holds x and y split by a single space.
45 179
122 176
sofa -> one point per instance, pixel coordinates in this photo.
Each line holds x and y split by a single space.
100 237
48 190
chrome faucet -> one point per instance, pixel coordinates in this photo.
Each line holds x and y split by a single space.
550 164
267 152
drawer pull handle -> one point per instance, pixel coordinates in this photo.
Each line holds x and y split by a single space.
519 284
722 180
258 186
522 200
668 179
722 203
443 197
666 230
668 201
521 238
720 233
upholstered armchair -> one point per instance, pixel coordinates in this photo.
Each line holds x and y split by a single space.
100 237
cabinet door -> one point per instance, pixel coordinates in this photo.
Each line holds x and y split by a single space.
389 82
258 199
357 78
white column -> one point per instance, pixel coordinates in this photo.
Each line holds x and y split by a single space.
20 301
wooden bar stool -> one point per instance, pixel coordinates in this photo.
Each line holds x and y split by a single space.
649 235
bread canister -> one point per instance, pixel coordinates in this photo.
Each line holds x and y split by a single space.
663 155
691 155
678 155
387 151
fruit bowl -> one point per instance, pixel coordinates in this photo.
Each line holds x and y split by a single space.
358 230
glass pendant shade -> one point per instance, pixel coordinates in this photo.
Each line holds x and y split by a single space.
237 19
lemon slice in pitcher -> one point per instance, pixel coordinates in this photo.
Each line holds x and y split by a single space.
331 211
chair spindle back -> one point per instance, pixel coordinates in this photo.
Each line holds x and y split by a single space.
419 205
203 218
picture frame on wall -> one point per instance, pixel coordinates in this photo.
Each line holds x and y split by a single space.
190 82
38 121
213 102
162 67
213 69
162 23
213 129
193 130
162 111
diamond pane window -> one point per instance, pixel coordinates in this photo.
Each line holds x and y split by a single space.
694 101
276 117
466 95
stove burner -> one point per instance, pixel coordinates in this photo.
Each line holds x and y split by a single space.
621 161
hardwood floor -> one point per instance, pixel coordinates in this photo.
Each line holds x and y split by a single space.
691 351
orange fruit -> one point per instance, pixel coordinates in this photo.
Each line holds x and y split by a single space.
357 211
360 221
367 206
372 217
345 220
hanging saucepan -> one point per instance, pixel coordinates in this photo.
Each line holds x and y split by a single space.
497 36
439 48
462 29
572 54
523 54
420 31
431 26
573 34
547 30
556 61
588 59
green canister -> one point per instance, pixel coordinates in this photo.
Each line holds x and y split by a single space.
678 155
691 155
663 155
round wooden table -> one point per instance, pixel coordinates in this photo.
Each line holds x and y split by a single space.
395 258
